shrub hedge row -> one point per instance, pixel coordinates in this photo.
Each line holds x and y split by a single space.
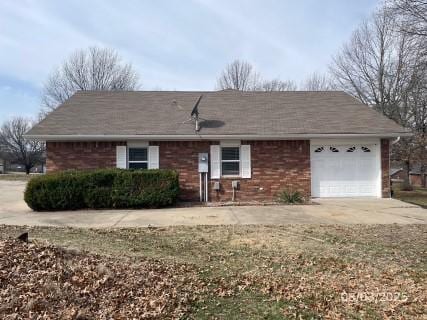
103 188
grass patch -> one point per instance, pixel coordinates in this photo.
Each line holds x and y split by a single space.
240 306
417 196
274 272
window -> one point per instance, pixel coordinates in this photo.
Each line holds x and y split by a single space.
138 158
230 161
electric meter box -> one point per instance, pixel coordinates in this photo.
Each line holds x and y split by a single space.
203 162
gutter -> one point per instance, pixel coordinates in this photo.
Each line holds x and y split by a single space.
302 136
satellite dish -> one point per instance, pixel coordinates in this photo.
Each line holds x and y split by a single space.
195 111
194 117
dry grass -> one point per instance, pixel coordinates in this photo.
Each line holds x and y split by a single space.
272 272
417 196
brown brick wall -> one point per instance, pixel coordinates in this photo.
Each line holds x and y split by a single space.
80 155
416 180
385 167
276 165
183 156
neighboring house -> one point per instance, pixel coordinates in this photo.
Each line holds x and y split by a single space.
397 174
415 176
17 167
323 144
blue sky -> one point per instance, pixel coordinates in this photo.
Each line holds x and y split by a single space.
174 45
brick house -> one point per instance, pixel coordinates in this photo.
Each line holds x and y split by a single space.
252 144
416 176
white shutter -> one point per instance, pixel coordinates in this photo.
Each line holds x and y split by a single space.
153 157
245 155
121 157
215 162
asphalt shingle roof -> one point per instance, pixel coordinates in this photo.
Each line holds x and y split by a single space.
226 112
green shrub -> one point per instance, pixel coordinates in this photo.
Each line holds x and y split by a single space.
103 188
291 197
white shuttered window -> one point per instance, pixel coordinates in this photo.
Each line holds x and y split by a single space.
230 160
135 157
138 158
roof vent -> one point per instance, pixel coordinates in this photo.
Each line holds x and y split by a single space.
175 104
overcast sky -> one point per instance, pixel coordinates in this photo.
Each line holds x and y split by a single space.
174 45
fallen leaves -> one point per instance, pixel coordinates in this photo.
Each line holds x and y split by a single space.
39 281
246 272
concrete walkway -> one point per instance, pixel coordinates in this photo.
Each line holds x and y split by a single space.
14 211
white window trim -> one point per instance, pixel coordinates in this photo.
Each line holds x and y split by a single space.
239 161
230 143
138 161
137 144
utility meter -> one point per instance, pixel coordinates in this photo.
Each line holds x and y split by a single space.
203 162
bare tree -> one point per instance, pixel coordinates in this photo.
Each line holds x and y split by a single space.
91 69
383 68
239 75
26 152
374 65
411 15
414 99
318 82
411 21
278 85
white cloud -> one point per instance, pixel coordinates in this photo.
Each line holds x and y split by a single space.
176 44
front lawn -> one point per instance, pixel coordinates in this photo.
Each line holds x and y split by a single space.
417 196
220 272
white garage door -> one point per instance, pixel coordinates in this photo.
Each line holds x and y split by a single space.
345 170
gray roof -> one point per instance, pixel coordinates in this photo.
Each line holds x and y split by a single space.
416 168
226 112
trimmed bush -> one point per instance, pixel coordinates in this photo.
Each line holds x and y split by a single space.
103 188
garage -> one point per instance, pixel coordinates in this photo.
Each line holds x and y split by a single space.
345 169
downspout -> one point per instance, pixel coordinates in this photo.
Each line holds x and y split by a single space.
396 140
389 163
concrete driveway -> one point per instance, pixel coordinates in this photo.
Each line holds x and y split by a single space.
14 211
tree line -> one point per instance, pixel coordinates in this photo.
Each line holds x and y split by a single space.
91 69
383 64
